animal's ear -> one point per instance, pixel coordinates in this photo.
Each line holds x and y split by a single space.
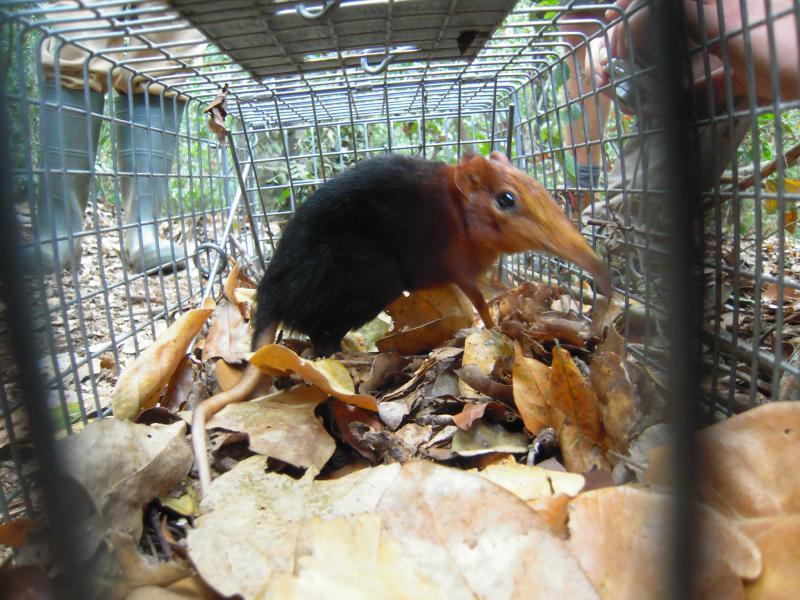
473 174
500 158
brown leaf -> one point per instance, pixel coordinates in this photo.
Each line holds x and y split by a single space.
140 385
484 384
327 374
573 397
750 460
484 349
620 536
423 338
345 414
551 328
778 540
580 454
472 412
123 465
604 313
485 438
14 533
227 375
617 396
282 425
383 367
424 306
531 386
228 337
553 511
179 386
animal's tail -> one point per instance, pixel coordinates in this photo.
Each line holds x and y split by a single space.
242 391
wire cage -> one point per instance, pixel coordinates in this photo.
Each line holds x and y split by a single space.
106 106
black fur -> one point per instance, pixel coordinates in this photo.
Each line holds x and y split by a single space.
355 245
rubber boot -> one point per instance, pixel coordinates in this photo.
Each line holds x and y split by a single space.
147 138
69 143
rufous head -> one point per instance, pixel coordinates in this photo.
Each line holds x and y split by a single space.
508 211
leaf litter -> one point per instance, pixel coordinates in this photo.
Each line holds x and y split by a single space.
337 465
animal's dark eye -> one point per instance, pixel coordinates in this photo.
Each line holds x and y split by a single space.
505 200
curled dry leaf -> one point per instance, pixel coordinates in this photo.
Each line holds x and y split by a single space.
424 306
383 367
471 375
327 374
573 400
228 337
425 319
123 465
125 570
218 111
345 414
179 386
482 350
777 539
418 340
227 375
620 536
549 328
14 533
486 438
140 385
282 425
531 386
617 396
749 466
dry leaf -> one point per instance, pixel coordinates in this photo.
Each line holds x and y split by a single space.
179 386
327 374
531 385
750 461
336 546
140 385
14 533
282 425
123 465
620 536
424 306
383 367
227 375
418 340
463 535
228 337
471 412
485 438
573 397
547 329
484 384
529 483
483 349
778 540
617 396
553 511
343 415
426 318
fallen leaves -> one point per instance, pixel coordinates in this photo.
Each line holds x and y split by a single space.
324 472
141 384
465 537
327 374
281 425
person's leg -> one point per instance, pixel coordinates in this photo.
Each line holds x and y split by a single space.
147 116
72 98
587 112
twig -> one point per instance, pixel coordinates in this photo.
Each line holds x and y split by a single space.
791 155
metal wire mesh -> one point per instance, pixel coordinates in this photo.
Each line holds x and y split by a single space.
296 126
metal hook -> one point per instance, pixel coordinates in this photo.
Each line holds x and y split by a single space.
219 265
379 68
312 14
